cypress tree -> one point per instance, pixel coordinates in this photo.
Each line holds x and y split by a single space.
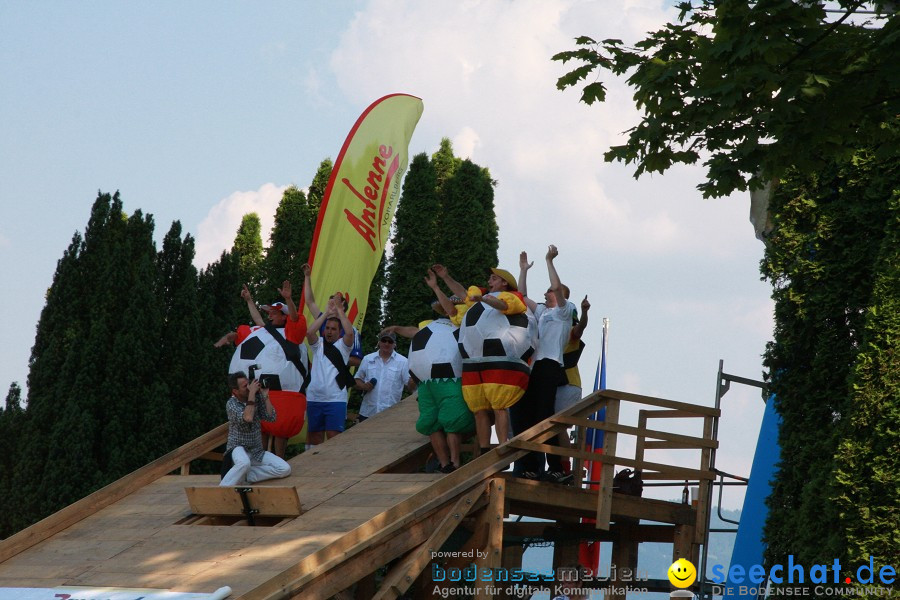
289 243
445 163
11 419
415 232
468 206
186 351
374 319
71 410
316 194
248 246
822 260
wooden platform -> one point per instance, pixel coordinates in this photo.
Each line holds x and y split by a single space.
363 507
137 542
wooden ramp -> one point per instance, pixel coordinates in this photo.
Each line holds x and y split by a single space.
362 508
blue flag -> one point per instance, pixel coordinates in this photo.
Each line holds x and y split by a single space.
595 436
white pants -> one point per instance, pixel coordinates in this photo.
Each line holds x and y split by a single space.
251 471
566 396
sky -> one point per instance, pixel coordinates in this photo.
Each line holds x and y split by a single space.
204 111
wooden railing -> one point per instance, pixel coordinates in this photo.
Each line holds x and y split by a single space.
579 416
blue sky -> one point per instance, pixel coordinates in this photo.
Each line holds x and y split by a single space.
203 111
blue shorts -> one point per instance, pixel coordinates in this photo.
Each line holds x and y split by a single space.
325 416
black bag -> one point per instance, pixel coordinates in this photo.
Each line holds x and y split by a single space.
628 482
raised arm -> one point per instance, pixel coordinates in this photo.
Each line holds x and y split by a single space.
492 301
454 286
251 306
555 283
308 296
285 292
578 330
431 281
524 265
312 332
345 323
407 331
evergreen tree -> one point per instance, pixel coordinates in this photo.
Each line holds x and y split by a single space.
289 243
468 206
445 215
444 163
188 360
374 321
248 246
867 473
11 419
827 249
316 194
415 232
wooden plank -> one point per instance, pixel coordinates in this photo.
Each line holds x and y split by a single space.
495 512
678 472
538 499
604 494
661 402
691 441
368 560
225 501
705 489
113 492
382 527
398 579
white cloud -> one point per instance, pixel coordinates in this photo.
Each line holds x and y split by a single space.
484 71
676 273
465 142
216 231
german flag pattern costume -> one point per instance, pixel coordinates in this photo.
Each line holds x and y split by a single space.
495 346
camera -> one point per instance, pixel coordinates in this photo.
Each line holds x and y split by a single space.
373 381
263 380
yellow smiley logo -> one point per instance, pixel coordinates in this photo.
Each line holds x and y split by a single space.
682 573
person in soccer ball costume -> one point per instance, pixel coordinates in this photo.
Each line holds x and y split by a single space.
496 339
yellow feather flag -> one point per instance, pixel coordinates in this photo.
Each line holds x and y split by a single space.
358 207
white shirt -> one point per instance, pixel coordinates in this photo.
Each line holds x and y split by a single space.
392 375
554 325
322 384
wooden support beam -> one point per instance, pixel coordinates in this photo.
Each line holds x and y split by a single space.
493 514
624 554
640 430
681 473
565 548
113 492
604 495
683 540
705 491
362 564
404 574
660 402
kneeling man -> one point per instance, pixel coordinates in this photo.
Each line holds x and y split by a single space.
247 405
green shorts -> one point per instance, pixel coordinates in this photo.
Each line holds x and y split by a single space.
442 408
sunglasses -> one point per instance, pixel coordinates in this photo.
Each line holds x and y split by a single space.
387 340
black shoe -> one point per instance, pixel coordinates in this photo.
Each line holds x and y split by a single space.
432 465
448 468
557 477
531 475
